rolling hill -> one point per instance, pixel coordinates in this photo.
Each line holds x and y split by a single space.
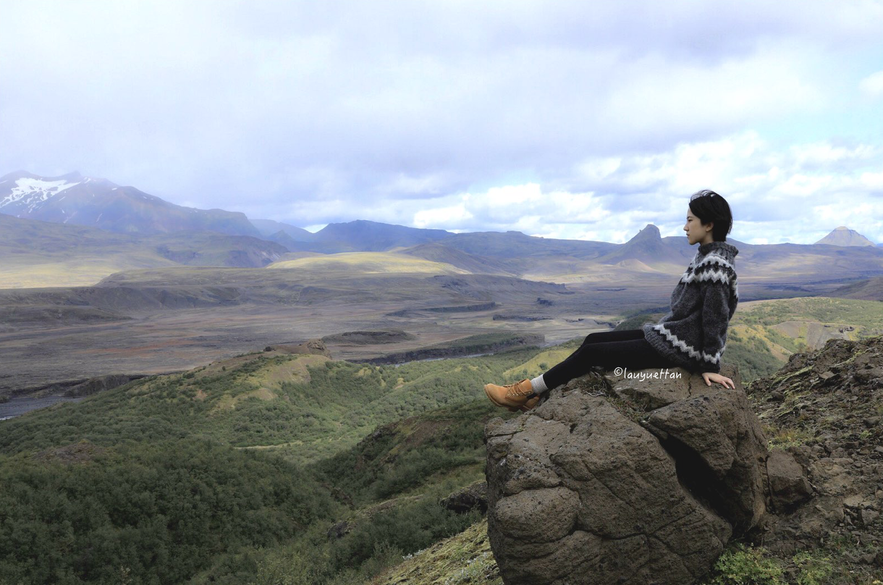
44 254
274 467
870 289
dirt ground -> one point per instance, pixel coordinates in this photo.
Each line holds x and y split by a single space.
43 352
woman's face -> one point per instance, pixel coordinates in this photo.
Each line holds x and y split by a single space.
696 232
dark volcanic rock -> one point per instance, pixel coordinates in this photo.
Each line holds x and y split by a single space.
369 337
828 422
473 497
98 384
313 347
339 530
788 484
624 481
478 344
717 440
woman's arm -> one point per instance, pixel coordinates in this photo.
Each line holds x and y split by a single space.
715 319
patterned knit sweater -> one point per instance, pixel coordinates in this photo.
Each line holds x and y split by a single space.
694 333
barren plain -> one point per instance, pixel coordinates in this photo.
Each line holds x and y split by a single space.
163 320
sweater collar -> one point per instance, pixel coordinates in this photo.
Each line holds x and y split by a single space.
726 250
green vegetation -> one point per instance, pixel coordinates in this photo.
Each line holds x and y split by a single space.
374 544
635 320
752 356
272 468
303 407
463 559
146 513
866 315
196 509
757 342
741 565
152 482
480 341
400 457
748 565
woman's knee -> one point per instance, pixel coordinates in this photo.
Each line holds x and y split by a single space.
595 337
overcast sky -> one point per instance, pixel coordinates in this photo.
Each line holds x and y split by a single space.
572 119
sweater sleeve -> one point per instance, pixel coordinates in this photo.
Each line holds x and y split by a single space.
715 319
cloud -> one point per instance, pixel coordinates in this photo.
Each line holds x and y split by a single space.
551 118
872 85
798 194
442 217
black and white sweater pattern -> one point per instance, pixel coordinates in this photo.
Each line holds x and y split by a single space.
694 332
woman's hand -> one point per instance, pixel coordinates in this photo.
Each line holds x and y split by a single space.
710 377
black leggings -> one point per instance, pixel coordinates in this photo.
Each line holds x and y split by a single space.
607 349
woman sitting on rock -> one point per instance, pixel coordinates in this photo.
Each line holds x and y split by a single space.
692 335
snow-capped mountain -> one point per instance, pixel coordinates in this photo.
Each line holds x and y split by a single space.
88 201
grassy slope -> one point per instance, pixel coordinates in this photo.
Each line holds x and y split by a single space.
367 263
144 434
36 254
389 481
41 254
462 559
763 334
302 407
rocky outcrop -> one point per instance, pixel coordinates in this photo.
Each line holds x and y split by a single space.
99 384
472 497
824 412
473 345
626 480
370 337
311 347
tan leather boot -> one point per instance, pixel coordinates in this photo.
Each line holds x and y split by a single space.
515 397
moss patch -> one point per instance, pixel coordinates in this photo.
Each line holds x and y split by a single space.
462 559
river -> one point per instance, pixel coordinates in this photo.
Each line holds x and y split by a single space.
22 404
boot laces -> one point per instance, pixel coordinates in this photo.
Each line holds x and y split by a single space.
512 390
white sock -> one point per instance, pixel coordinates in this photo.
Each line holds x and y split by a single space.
538 385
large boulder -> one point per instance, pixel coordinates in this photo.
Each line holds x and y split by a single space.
624 480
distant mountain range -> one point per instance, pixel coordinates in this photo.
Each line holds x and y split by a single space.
75 199
162 234
87 201
270 228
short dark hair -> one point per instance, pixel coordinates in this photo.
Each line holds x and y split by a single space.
709 207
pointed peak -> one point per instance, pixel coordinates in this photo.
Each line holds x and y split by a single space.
843 236
650 232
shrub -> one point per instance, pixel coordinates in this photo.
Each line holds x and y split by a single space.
743 565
